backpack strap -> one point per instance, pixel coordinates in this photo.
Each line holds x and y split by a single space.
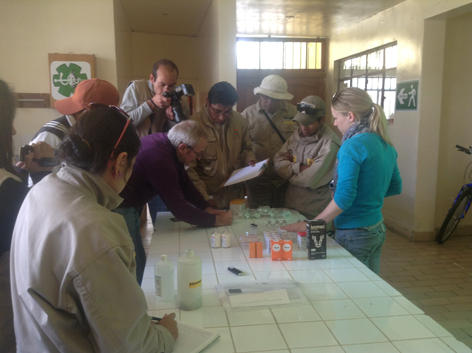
274 127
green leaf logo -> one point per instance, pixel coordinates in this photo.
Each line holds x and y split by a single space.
67 78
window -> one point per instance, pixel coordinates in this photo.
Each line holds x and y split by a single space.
279 54
375 71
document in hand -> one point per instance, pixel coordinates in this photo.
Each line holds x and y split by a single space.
247 173
193 339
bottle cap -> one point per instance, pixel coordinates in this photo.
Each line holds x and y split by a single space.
164 257
189 252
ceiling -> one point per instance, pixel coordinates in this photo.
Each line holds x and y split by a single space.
296 18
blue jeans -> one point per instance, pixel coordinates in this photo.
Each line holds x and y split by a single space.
156 205
131 216
364 243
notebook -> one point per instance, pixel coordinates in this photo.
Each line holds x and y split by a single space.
193 339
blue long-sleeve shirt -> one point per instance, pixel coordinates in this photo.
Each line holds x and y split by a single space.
367 173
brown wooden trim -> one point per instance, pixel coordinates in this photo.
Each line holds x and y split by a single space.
33 100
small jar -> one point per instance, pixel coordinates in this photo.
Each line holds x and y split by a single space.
301 237
215 239
226 238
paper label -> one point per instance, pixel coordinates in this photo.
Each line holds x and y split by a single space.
195 284
255 299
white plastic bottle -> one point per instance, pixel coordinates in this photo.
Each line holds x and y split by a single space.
216 239
226 238
189 281
164 278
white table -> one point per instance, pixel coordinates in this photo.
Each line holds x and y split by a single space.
349 308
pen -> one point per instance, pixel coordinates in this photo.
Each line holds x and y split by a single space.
235 271
154 318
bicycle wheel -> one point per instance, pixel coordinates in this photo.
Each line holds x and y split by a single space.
454 216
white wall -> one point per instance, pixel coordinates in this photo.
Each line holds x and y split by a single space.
456 114
415 134
216 42
30 29
123 44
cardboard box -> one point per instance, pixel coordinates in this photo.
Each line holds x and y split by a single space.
316 239
252 250
276 253
238 205
259 249
287 250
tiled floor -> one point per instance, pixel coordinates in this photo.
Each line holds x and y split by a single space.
437 278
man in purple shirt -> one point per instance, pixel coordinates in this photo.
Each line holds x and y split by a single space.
160 170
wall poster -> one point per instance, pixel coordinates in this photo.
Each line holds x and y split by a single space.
66 71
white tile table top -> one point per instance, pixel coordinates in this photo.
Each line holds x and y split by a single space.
348 308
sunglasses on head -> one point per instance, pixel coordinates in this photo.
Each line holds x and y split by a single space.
308 108
93 106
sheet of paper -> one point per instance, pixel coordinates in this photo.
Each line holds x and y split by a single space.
246 173
193 339
275 297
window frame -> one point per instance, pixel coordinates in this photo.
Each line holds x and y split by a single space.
284 40
367 72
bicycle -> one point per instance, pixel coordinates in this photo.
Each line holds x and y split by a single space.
459 207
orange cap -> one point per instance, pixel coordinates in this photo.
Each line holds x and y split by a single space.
88 91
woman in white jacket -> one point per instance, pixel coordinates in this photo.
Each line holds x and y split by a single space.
73 271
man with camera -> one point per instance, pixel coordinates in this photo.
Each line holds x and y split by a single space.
87 91
151 103
229 147
270 125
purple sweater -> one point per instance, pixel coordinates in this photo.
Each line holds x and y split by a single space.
158 171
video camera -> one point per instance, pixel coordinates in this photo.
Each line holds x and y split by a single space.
43 162
182 90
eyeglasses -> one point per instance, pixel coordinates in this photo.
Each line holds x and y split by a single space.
198 154
93 106
219 112
308 108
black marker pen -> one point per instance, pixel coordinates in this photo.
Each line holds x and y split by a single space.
235 271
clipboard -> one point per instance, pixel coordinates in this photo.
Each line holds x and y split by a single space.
247 173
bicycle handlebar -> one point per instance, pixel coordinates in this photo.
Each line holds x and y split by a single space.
464 149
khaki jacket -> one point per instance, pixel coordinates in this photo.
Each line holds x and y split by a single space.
73 272
265 141
216 164
308 192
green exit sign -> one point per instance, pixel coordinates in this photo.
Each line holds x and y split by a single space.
406 95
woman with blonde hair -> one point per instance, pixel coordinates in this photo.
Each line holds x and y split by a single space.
366 172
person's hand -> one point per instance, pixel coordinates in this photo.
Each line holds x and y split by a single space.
170 113
212 210
168 321
212 203
40 150
224 218
303 167
295 227
252 163
287 156
161 101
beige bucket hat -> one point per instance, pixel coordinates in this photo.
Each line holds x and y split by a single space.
273 86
